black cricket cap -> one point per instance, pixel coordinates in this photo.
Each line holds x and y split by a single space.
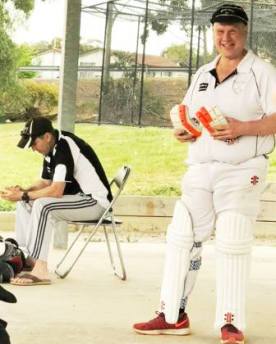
34 128
229 13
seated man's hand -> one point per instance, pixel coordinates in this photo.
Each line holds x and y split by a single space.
14 187
11 194
183 136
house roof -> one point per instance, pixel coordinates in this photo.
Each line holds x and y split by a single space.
156 61
150 60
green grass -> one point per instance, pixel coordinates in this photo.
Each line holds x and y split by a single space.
155 157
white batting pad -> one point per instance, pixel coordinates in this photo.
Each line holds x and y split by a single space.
177 262
233 247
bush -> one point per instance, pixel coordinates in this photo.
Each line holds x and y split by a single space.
28 99
43 98
120 103
13 102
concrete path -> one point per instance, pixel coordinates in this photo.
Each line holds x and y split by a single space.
93 306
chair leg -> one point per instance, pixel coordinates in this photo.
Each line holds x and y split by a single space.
66 272
121 275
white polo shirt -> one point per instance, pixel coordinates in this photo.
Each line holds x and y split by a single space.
249 94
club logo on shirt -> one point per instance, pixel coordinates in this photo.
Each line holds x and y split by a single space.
203 86
254 180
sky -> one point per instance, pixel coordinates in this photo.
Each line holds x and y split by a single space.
47 22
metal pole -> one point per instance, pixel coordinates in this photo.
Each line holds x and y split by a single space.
198 47
135 69
103 63
143 62
191 43
251 24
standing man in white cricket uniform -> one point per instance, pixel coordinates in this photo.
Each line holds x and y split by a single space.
73 187
225 178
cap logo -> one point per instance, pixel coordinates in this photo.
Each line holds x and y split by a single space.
31 127
25 132
227 11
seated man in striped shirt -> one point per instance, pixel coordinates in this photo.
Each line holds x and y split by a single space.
73 186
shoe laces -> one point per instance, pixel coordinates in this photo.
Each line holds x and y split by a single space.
159 314
160 318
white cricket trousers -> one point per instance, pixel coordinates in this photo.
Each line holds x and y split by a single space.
209 189
36 220
226 197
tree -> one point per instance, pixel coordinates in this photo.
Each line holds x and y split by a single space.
125 62
174 8
178 53
25 6
177 9
170 11
8 52
24 55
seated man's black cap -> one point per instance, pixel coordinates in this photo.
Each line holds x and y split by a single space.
34 128
229 13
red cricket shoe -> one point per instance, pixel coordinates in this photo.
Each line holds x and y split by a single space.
231 335
159 325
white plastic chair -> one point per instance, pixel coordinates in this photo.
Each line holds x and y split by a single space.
107 219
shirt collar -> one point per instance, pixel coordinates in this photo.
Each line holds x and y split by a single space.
212 65
53 152
57 136
246 63
243 67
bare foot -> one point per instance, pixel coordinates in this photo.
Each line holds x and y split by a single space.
29 280
39 275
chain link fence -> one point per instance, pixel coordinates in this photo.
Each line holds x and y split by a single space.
133 85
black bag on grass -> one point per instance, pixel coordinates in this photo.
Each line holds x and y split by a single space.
12 259
5 296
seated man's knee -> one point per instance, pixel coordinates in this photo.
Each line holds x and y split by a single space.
40 203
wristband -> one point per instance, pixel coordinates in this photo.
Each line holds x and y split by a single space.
25 197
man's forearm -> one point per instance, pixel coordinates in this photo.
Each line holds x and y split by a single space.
48 191
55 189
41 184
261 127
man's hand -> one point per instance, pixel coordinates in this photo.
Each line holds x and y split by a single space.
183 136
14 188
11 194
232 130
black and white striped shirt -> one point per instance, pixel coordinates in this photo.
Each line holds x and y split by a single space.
73 161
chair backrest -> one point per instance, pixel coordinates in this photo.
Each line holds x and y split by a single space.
120 180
